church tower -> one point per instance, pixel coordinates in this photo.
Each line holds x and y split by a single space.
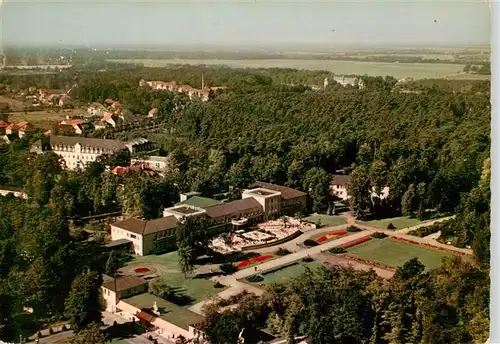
325 82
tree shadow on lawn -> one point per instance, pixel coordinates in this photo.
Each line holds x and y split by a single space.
126 330
207 275
179 297
217 258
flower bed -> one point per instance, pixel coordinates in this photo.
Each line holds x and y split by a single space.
330 235
258 259
141 270
355 242
368 262
442 249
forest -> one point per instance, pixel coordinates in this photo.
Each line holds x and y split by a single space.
431 148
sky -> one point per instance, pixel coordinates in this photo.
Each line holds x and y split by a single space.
246 22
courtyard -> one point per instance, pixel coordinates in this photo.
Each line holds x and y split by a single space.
266 232
190 289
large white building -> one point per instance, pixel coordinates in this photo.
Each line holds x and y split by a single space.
340 184
78 151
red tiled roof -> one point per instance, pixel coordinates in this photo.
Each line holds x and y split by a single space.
73 121
107 116
240 206
109 101
286 192
4 124
122 170
145 316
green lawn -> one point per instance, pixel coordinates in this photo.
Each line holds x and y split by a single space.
196 288
393 253
327 220
398 222
290 272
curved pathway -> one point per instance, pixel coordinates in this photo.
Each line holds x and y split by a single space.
236 286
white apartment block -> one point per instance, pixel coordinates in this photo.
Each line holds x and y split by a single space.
78 151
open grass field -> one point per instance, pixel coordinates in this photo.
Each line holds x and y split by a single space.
393 253
42 119
397 70
327 220
465 76
398 222
197 289
13 103
286 274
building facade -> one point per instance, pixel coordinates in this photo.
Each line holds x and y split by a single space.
78 151
146 236
115 289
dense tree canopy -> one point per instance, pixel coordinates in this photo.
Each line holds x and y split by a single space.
429 146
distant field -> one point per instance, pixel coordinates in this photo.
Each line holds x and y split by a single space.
42 119
393 253
13 103
397 70
464 76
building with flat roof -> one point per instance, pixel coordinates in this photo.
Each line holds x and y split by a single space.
183 210
200 202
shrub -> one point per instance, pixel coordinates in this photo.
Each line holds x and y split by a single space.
156 341
353 229
64 328
150 337
337 250
39 334
391 226
282 251
307 259
310 243
51 331
228 268
218 285
255 278
379 235
115 323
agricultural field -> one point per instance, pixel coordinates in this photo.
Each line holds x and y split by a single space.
397 70
394 253
43 119
13 103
